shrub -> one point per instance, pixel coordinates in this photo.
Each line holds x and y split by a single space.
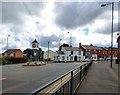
3 60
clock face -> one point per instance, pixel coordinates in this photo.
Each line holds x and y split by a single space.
33 45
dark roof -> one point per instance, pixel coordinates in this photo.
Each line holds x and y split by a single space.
12 50
91 47
72 48
35 41
60 52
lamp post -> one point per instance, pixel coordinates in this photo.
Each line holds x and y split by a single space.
70 39
7 41
59 50
103 5
48 52
70 44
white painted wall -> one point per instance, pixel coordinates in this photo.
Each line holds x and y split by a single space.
67 56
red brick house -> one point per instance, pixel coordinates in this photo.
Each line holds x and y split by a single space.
118 40
13 53
94 52
91 51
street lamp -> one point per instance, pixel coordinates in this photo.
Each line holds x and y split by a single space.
59 44
7 41
59 50
70 39
48 52
70 44
103 5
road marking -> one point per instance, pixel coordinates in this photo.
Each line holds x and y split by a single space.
3 78
57 85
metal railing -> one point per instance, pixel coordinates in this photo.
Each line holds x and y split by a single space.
65 84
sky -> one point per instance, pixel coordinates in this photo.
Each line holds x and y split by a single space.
51 20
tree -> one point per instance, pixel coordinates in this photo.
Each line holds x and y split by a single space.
28 52
63 45
3 60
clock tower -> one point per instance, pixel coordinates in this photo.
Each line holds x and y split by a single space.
35 44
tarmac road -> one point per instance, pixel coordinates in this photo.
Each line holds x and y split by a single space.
24 79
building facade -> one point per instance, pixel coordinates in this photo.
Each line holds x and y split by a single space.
13 53
49 55
69 54
90 51
95 53
118 40
38 53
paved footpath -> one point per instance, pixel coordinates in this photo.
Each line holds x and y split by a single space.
100 79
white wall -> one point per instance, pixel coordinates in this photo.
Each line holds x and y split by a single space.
67 55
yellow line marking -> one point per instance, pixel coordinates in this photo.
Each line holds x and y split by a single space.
59 83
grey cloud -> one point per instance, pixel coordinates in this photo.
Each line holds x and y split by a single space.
74 14
13 12
71 15
43 40
107 29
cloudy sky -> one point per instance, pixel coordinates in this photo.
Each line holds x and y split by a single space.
51 20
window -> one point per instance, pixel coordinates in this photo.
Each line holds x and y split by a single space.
11 54
79 58
71 58
67 57
63 58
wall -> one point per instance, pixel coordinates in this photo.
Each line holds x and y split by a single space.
19 54
51 55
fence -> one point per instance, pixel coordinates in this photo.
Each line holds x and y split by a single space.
65 84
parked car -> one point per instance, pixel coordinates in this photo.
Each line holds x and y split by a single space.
100 59
87 60
108 58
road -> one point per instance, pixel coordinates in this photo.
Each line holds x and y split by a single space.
25 79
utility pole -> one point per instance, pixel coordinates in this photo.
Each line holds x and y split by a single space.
59 50
48 52
7 41
103 5
70 44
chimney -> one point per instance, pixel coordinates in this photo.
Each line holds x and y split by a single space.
79 45
91 45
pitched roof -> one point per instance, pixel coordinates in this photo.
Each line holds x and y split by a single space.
60 52
11 50
91 47
72 48
35 41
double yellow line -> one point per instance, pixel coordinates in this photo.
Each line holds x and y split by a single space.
59 83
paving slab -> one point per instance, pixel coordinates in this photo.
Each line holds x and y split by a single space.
100 79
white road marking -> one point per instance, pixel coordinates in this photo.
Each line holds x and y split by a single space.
3 78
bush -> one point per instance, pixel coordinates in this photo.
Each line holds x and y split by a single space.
3 60
17 60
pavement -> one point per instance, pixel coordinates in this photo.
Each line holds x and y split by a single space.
100 79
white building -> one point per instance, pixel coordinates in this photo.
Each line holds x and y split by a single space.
51 55
68 54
